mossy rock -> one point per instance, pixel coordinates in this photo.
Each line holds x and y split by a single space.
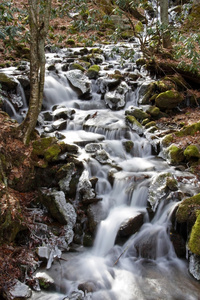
150 124
145 121
167 140
70 42
139 114
175 154
126 35
168 100
76 66
187 209
165 85
134 124
128 145
7 83
194 240
93 72
153 111
141 62
40 146
52 152
189 130
192 151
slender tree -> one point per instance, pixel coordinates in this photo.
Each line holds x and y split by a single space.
39 15
165 22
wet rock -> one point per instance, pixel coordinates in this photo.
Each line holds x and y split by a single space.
187 210
75 296
194 266
62 112
117 99
102 157
76 66
88 287
146 91
168 100
93 72
105 84
79 81
60 124
95 215
45 281
134 124
85 188
69 182
175 154
88 240
18 291
130 226
153 111
179 244
8 83
43 252
128 145
150 124
194 240
56 204
138 113
160 185
93 147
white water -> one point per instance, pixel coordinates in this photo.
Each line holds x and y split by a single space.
145 266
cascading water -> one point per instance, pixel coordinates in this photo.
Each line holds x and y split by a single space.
144 264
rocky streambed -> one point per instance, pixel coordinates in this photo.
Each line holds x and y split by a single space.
113 169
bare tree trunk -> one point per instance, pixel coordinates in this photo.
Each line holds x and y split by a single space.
39 14
165 22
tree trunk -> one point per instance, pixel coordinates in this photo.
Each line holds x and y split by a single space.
39 14
165 22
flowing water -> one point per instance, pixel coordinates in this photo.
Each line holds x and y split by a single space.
145 266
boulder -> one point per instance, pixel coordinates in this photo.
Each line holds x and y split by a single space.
79 81
93 72
168 99
17 291
136 112
175 154
8 83
160 186
56 204
117 99
134 124
130 226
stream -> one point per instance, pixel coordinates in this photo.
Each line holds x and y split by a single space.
143 266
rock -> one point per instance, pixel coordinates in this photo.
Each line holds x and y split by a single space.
106 83
145 92
189 130
117 99
153 111
75 296
87 287
102 157
160 185
138 113
43 252
186 211
70 178
79 81
64 113
56 204
18 291
134 124
93 147
93 72
128 145
175 154
60 124
192 151
150 124
168 100
194 240
178 244
45 281
194 266
130 226
76 66
85 188
8 83
95 214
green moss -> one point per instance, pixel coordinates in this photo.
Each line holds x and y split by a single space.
153 111
150 124
168 99
132 120
139 27
76 66
167 140
128 145
175 154
40 146
70 42
194 241
145 121
52 152
187 208
189 130
192 151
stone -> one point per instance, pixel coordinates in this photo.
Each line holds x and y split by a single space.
192 151
134 124
17 291
117 99
130 226
138 113
175 154
56 204
168 99
194 240
79 81
8 83
93 72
